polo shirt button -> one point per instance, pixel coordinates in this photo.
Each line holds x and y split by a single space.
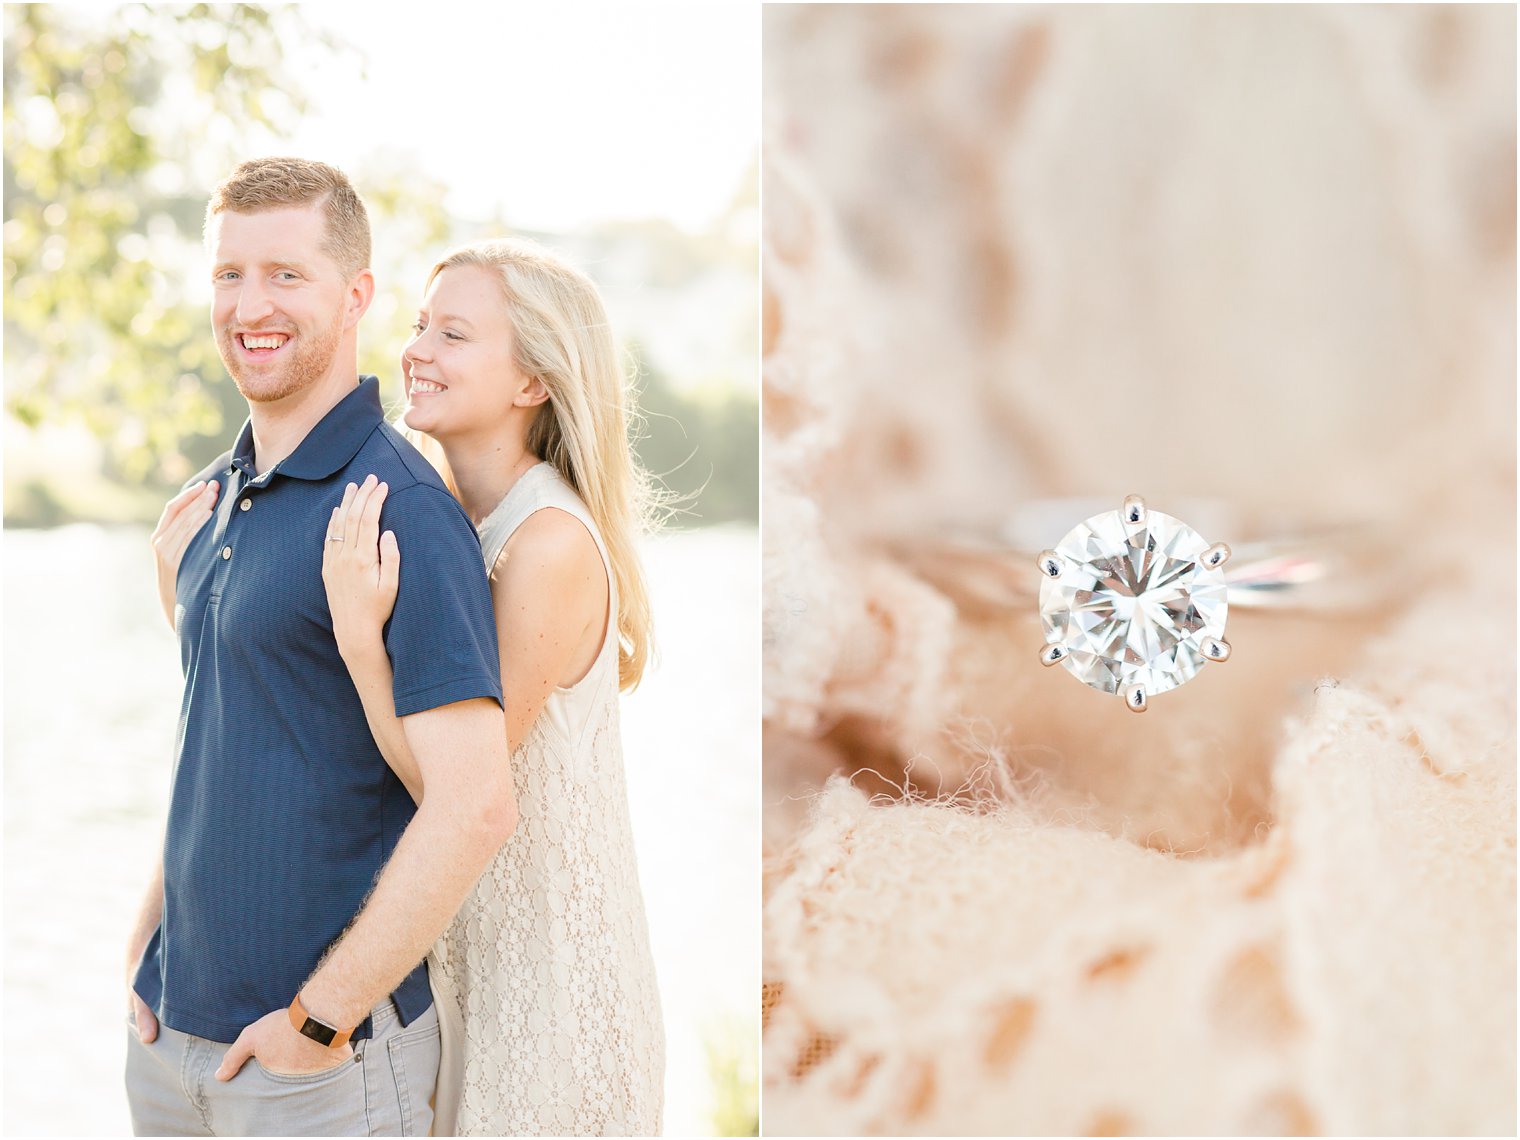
245 504
226 552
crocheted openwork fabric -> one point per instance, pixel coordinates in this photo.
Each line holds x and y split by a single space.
546 987
1264 255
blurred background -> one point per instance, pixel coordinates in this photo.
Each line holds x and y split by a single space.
627 139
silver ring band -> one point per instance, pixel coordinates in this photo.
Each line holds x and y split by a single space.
1333 570
1134 601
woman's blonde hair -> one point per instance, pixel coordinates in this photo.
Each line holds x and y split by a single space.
561 335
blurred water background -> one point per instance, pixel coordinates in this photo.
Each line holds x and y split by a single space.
627 140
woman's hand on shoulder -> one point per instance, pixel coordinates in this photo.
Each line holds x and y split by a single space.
360 569
183 515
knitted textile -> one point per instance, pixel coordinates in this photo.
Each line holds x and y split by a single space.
1263 255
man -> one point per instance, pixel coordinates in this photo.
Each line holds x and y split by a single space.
300 886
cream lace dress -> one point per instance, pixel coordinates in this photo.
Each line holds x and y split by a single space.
544 982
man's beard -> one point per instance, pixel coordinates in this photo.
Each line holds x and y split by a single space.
309 361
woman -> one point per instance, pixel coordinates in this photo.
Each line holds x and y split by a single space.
544 982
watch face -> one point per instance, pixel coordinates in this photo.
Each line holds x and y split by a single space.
318 1032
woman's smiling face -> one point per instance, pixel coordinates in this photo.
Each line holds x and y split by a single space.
461 375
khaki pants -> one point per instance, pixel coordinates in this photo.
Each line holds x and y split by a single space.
384 1090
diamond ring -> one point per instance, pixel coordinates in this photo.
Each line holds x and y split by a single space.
1134 602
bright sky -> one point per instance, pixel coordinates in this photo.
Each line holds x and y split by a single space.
563 114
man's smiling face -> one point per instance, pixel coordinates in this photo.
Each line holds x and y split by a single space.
278 302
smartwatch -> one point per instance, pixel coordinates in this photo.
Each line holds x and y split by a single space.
319 1031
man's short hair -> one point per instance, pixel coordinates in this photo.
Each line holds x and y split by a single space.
270 183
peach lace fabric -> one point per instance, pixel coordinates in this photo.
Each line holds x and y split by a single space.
1260 255
549 1009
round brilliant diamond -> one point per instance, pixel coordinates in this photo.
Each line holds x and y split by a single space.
1133 603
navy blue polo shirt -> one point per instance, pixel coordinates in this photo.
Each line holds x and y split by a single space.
283 811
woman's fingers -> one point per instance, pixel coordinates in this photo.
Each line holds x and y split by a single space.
355 513
328 551
354 525
337 525
176 507
181 531
343 508
195 490
369 518
182 519
360 567
184 514
390 563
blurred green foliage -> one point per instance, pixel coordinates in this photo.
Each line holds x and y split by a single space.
697 445
106 113
733 1071
117 123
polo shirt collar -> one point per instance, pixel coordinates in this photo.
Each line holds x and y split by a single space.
328 446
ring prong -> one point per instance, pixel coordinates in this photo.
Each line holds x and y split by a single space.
1050 563
1051 654
1216 648
1134 698
1216 556
1134 509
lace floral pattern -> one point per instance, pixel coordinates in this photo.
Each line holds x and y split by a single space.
548 960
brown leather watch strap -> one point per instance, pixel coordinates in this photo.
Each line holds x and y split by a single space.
319 1031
